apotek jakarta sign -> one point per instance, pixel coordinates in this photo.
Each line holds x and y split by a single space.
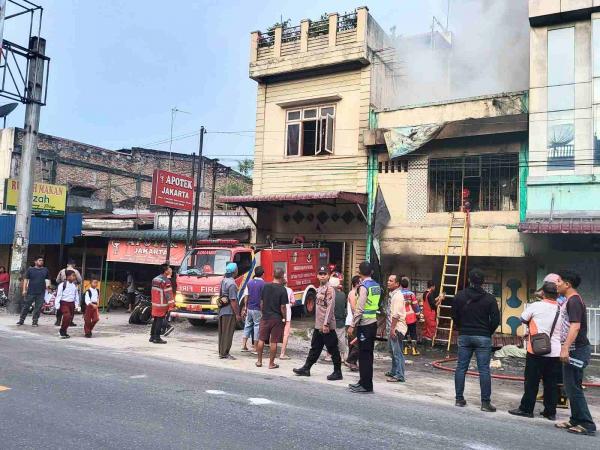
47 199
144 252
172 190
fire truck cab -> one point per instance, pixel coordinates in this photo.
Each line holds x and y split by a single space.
202 269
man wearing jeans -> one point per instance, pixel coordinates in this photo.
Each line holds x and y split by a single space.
476 315
396 323
575 354
253 294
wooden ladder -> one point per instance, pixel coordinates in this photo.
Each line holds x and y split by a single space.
453 260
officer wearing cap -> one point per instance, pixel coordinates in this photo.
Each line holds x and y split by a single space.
229 312
324 334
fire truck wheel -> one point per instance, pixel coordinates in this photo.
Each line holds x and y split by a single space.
197 322
309 304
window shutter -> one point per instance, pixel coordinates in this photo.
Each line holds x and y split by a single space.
329 134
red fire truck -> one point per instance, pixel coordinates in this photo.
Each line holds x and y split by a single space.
202 269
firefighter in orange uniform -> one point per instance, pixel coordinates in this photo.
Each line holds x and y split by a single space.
162 302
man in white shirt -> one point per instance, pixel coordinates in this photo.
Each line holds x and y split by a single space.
67 300
91 316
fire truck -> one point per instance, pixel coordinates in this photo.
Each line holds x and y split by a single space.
202 269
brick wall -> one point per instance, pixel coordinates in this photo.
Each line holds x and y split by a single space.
101 179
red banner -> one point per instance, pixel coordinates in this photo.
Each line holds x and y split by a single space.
172 190
144 252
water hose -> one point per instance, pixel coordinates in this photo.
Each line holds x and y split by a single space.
439 365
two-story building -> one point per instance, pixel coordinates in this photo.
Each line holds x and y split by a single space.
562 222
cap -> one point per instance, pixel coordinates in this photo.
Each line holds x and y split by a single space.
334 282
230 267
323 269
550 278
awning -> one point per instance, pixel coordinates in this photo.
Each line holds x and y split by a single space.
560 226
44 230
331 198
161 235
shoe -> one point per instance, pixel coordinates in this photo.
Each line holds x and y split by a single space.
88 335
151 339
34 324
405 351
169 330
158 341
57 323
302 372
460 402
353 385
336 375
395 380
360 390
548 416
233 358
518 412
415 352
487 407
19 323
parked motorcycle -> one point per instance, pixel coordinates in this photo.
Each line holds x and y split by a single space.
142 312
3 298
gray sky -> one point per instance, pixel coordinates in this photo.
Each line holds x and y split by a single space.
119 66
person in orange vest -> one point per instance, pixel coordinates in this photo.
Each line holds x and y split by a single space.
162 302
412 310
429 311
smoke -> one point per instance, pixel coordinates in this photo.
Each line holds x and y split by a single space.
488 54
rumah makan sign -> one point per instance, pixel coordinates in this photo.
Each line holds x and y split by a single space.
141 251
48 199
172 190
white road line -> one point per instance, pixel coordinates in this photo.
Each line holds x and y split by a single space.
135 377
215 392
259 401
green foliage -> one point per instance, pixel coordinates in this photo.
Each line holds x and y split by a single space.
245 167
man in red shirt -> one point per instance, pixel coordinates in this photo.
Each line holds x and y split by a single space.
162 302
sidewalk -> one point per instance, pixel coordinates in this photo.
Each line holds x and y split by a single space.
198 345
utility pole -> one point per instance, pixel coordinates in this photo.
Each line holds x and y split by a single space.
189 222
35 81
198 187
212 198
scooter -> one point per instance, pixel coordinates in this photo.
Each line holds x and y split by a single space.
142 312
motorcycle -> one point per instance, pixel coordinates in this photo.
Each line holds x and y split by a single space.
3 298
142 311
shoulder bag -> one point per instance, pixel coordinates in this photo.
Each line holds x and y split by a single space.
541 342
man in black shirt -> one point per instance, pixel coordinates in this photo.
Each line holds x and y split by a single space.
37 280
575 349
274 297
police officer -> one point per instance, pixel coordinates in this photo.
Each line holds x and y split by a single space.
365 325
162 301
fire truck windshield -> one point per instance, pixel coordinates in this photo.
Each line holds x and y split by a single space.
205 262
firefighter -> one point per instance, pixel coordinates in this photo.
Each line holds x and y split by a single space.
162 302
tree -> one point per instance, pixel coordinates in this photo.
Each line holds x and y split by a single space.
245 167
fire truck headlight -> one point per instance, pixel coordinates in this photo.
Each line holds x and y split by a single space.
179 298
214 300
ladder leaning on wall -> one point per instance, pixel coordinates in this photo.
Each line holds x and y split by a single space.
456 244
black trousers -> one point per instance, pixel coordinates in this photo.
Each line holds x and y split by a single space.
366 343
320 340
538 368
37 300
156 327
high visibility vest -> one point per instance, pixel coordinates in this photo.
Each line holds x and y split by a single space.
373 297
162 296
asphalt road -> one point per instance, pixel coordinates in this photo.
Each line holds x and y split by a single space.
64 395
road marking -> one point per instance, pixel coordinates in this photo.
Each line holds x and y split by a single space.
4 388
479 446
138 376
259 401
215 392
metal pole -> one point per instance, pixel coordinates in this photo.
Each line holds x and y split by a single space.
63 232
198 186
169 232
20 246
187 234
212 198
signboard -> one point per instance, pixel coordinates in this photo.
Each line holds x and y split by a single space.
48 199
172 190
144 252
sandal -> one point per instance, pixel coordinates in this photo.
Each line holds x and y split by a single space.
257 364
565 425
285 357
578 429
274 366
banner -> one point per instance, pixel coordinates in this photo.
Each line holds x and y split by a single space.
172 190
144 252
48 199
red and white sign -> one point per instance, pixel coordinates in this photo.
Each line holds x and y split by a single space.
144 252
172 190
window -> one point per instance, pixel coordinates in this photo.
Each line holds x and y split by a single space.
487 182
310 131
561 98
243 261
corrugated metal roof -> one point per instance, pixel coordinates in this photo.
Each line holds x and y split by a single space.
44 230
315 197
161 235
560 226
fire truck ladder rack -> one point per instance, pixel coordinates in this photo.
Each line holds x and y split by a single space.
287 246
456 244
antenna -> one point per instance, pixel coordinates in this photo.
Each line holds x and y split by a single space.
174 112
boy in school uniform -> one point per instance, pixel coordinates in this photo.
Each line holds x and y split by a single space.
67 299
91 316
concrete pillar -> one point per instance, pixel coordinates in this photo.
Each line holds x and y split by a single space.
333 19
277 42
304 35
254 46
362 15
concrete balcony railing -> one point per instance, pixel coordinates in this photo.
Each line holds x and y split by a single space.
339 39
